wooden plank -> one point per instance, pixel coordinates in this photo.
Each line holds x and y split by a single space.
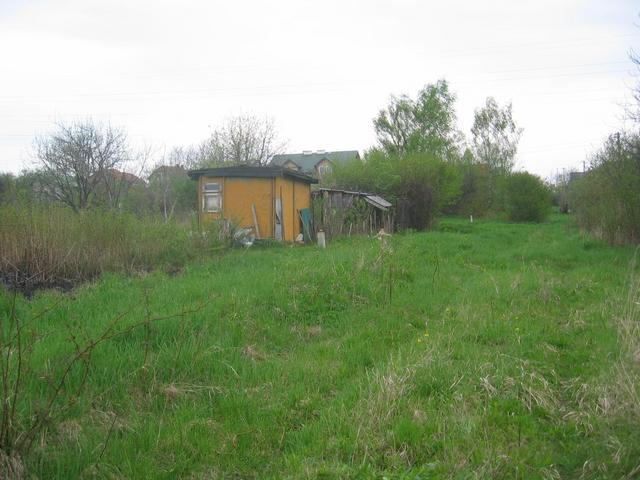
282 223
278 222
255 220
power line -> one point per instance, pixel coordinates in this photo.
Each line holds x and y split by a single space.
273 89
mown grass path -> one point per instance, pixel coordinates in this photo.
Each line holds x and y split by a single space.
483 350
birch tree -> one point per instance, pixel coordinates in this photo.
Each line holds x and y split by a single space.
495 136
424 125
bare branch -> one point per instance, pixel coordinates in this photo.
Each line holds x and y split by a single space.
241 140
81 163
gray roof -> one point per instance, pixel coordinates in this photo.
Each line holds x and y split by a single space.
252 172
371 198
307 161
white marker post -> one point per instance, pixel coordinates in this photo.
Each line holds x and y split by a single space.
321 240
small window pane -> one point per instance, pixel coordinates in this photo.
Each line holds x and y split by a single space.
211 202
211 187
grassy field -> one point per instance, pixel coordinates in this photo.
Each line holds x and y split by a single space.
485 350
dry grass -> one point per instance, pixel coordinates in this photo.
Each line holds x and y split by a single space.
11 467
70 431
254 353
615 397
383 396
628 368
53 246
307 331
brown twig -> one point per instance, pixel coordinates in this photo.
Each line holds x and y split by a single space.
83 354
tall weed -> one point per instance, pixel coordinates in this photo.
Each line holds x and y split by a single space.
52 245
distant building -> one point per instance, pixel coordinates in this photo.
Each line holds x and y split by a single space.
573 176
316 164
112 175
164 171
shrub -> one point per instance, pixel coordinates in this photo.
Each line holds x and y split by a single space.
527 197
477 183
605 200
421 186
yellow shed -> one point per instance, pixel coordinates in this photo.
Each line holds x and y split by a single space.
267 197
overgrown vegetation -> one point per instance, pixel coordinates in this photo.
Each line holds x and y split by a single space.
54 246
528 199
422 165
419 185
605 200
477 350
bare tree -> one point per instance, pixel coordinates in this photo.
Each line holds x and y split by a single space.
241 140
81 159
186 157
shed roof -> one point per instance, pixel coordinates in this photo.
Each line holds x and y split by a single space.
371 198
307 161
251 172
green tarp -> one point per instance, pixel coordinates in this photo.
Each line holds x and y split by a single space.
305 218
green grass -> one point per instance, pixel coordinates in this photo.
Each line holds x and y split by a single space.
485 350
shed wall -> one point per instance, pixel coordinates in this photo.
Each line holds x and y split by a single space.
239 194
285 191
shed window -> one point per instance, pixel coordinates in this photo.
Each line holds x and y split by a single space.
211 197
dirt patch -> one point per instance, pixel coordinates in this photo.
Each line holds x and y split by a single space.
172 392
307 331
28 286
253 353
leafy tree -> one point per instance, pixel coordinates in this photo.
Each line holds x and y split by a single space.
495 136
241 140
424 125
139 200
29 187
172 190
7 187
475 198
396 125
528 198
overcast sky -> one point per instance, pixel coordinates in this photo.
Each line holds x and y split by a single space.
169 72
